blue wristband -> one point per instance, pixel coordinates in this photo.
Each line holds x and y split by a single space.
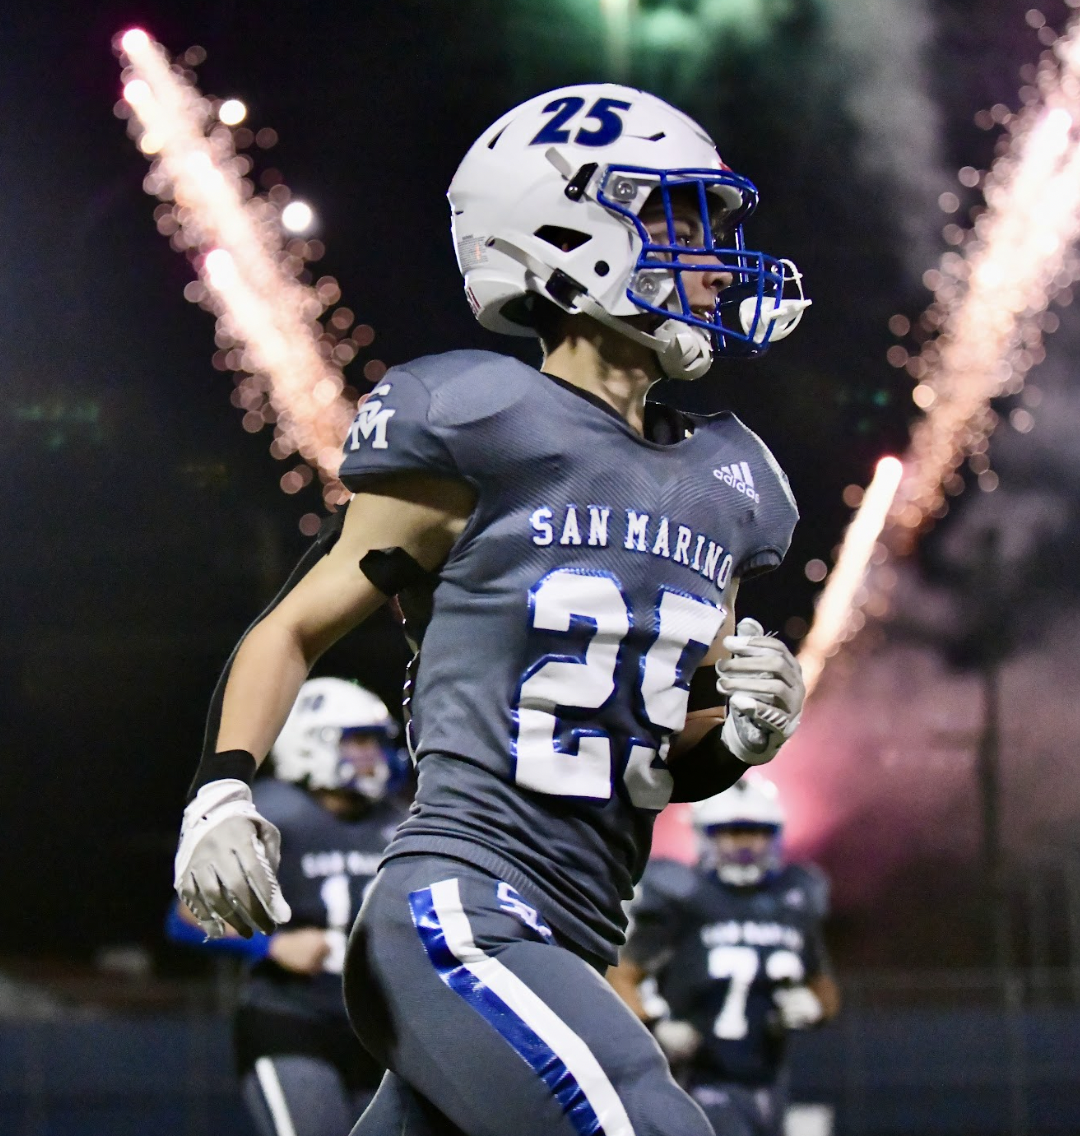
179 930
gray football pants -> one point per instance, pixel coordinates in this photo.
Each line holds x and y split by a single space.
490 1028
299 1095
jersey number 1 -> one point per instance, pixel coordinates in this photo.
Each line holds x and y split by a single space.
594 607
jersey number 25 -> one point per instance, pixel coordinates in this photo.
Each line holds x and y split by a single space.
593 607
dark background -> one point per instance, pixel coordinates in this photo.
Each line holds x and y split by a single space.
145 529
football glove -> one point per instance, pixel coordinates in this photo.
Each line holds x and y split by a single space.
764 688
679 1040
226 862
799 1007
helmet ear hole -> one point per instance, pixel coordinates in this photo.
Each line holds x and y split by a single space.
565 239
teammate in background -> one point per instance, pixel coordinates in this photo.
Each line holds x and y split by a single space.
735 950
569 559
302 1070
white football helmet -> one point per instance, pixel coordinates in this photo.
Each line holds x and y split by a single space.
546 202
312 748
752 803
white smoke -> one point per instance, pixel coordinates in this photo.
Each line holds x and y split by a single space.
880 50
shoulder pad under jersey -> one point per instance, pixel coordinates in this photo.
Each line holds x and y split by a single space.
670 879
768 509
417 418
662 895
810 883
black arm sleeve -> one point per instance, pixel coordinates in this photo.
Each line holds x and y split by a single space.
705 770
325 540
703 692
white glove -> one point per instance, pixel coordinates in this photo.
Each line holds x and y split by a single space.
799 1007
764 687
679 1040
225 864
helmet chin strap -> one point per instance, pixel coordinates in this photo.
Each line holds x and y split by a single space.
682 350
685 351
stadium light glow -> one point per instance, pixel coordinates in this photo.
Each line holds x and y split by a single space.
297 217
618 27
232 112
252 270
134 40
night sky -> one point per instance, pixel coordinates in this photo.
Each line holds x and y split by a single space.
145 529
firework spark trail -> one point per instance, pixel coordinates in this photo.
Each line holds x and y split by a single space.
837 598
988 314
262 308
988 303
1002 286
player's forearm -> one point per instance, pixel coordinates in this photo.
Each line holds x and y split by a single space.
698 724
828 994
267 673
278 652
625 979
707 769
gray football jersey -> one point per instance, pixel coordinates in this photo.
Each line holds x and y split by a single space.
567 621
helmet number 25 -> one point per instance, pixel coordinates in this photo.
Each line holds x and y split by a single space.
609 124
592 606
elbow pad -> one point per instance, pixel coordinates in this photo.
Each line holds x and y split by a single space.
392 570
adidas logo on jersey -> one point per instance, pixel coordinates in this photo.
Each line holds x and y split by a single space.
738 476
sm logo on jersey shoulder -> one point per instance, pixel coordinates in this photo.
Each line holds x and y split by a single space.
371 419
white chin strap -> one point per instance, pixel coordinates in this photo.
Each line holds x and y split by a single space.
682 350
685 351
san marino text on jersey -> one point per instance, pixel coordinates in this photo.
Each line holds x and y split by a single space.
637 532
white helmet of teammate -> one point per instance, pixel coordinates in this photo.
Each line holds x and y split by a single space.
313 746
546 203
752 804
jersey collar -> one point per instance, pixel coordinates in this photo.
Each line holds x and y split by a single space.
663 424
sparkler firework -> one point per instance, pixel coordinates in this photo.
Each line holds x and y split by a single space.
985 324
839 595
251 270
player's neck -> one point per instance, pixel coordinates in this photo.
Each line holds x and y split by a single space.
608 366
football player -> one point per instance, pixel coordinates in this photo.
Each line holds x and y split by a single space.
736 959
335 764
568 558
